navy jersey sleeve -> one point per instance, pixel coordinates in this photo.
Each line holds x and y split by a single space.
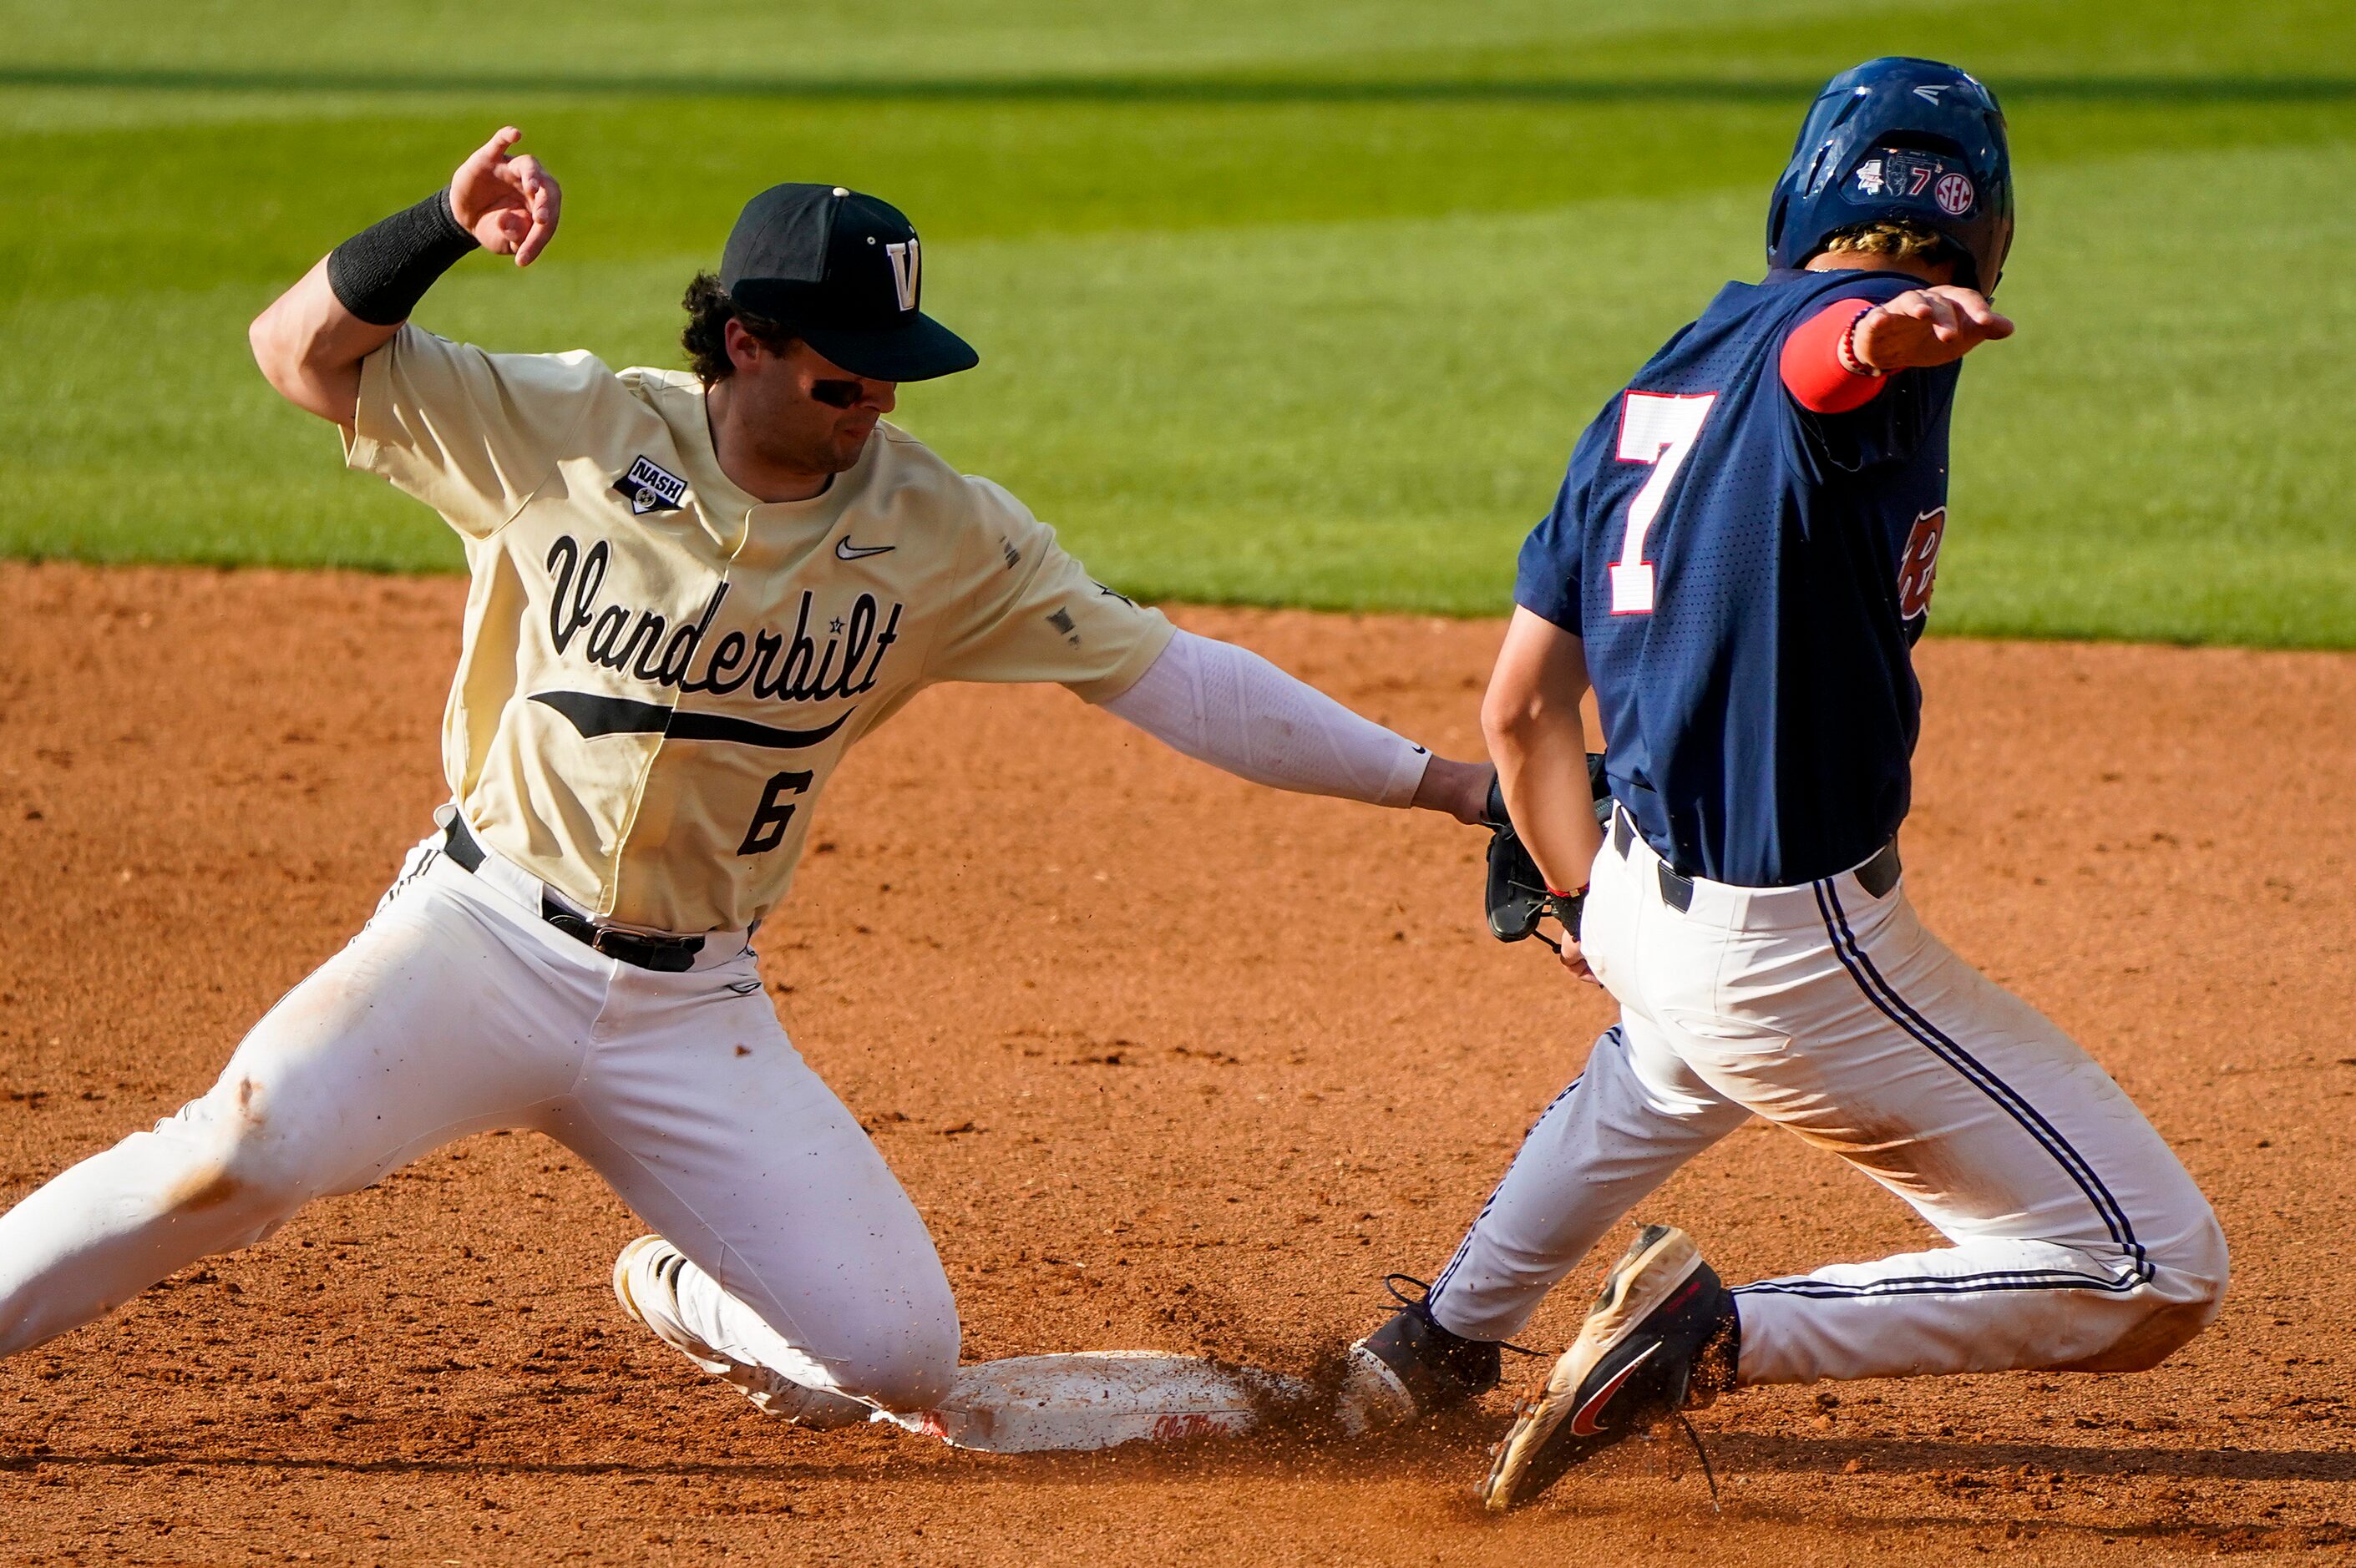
1888 428
1547 580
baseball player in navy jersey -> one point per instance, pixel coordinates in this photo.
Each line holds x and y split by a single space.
691 593
1739 564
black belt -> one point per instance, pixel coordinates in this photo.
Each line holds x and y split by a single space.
668 954
1877 876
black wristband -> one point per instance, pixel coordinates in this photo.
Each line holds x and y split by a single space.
380 273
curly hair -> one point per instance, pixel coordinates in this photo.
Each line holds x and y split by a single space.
1898 239
705 337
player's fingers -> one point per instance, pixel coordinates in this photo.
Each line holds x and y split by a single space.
521 173
509 227
546 203
1972 306
1944 324
544 198
475 188
533 191
1975 319
485 158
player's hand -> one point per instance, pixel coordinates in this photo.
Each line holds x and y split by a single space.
1927 326
1575 961
509 204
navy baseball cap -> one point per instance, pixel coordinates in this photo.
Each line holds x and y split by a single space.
844 272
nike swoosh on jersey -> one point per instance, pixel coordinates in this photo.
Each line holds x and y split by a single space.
1582 1420
845 550
594 716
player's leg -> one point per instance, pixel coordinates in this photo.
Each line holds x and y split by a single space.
803 1255
1631 1117
2078 1238
416 1033
1623 1127
2079 1242
685 1308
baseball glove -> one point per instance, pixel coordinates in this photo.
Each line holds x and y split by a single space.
1518 895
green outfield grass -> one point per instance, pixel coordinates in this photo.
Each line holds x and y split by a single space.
1277 304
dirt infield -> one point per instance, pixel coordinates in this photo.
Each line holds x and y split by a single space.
1166 1061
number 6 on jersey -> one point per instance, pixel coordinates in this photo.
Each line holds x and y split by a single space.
1658 429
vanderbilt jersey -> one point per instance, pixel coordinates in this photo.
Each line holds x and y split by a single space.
659 672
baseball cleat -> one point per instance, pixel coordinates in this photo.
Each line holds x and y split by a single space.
1411 1367
1661 1338
646 1282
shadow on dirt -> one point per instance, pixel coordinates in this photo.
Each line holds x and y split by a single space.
1737 1451
1451 1451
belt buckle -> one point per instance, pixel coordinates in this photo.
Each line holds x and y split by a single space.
665 955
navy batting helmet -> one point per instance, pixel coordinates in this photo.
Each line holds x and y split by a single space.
1899 140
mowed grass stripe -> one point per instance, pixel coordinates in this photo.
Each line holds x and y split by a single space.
189 206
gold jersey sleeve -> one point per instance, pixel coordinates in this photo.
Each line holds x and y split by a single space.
472 435
1034 613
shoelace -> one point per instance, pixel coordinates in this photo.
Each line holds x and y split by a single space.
1402 1302
1419 1302
1703 1454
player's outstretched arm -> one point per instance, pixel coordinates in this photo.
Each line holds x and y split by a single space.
1231 708
1926 326
1530 716
310 342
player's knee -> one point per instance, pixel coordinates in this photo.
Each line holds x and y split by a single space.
2197 1270
233 1167
2186 1293
915 1368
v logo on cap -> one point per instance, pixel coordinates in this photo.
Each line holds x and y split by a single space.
844 272
904 261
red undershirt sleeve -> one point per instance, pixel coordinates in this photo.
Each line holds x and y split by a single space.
1811 369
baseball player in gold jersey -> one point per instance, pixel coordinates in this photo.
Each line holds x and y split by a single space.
690 594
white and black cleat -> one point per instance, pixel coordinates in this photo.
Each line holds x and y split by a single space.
1662 1337
646 1282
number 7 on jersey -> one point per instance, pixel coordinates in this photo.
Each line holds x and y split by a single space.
1658 429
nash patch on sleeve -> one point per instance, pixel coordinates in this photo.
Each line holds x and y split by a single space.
648 486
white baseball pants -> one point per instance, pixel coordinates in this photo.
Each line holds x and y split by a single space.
457 1010
2079 1242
